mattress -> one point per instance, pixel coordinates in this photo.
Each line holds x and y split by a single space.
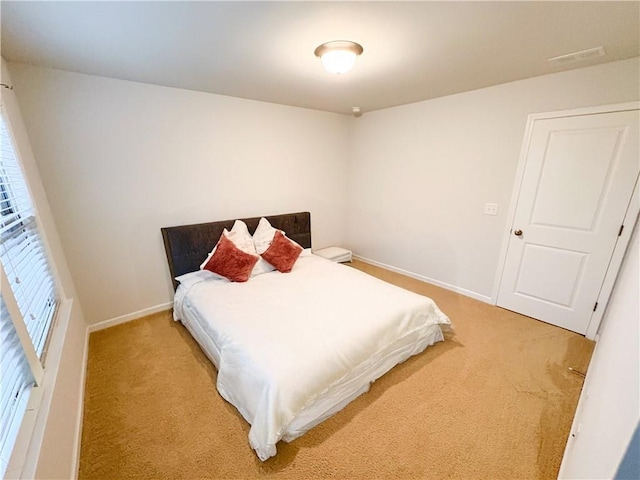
292 349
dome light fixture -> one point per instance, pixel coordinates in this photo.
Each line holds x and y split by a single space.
338 56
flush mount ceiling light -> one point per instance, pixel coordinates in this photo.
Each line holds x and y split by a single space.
338 56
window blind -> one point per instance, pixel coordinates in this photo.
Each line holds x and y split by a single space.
15 386
21 250
31 286
27 270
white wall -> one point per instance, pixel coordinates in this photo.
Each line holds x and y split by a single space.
121 159
53 447
609 407
420 174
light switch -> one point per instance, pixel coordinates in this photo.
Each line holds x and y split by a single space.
491 209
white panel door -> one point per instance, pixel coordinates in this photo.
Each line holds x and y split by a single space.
578 180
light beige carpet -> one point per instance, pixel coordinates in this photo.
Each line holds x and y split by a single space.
495 400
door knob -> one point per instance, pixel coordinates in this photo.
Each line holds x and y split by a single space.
518 233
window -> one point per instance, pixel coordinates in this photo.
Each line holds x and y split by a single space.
28 297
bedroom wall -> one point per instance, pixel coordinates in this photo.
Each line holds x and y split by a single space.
53 446
121 159
420 174
609 406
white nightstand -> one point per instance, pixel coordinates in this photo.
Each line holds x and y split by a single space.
335 254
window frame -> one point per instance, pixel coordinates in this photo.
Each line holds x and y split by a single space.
24 452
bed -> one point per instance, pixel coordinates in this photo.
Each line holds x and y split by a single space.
292 349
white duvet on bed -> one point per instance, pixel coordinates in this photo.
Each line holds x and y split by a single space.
292 349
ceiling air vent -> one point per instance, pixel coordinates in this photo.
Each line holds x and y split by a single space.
578 56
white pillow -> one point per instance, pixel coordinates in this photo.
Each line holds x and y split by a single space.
188 280
262 266
263 236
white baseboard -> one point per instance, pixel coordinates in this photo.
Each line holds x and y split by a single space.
80 414
112 322
437 283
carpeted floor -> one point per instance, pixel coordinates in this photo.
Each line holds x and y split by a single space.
494 401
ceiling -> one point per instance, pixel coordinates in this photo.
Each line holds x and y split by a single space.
263 50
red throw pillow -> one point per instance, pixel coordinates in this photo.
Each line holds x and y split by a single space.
231 262
282 253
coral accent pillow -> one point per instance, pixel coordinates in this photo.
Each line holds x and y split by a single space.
231 262
282 253
225 232
242 239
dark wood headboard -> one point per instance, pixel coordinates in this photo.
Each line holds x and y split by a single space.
188 245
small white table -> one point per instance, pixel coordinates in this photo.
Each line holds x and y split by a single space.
336 254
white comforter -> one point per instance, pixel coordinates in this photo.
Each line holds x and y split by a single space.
292 349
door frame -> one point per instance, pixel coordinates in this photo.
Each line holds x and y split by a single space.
630 219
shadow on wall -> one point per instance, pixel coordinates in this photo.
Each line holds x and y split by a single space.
629 468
